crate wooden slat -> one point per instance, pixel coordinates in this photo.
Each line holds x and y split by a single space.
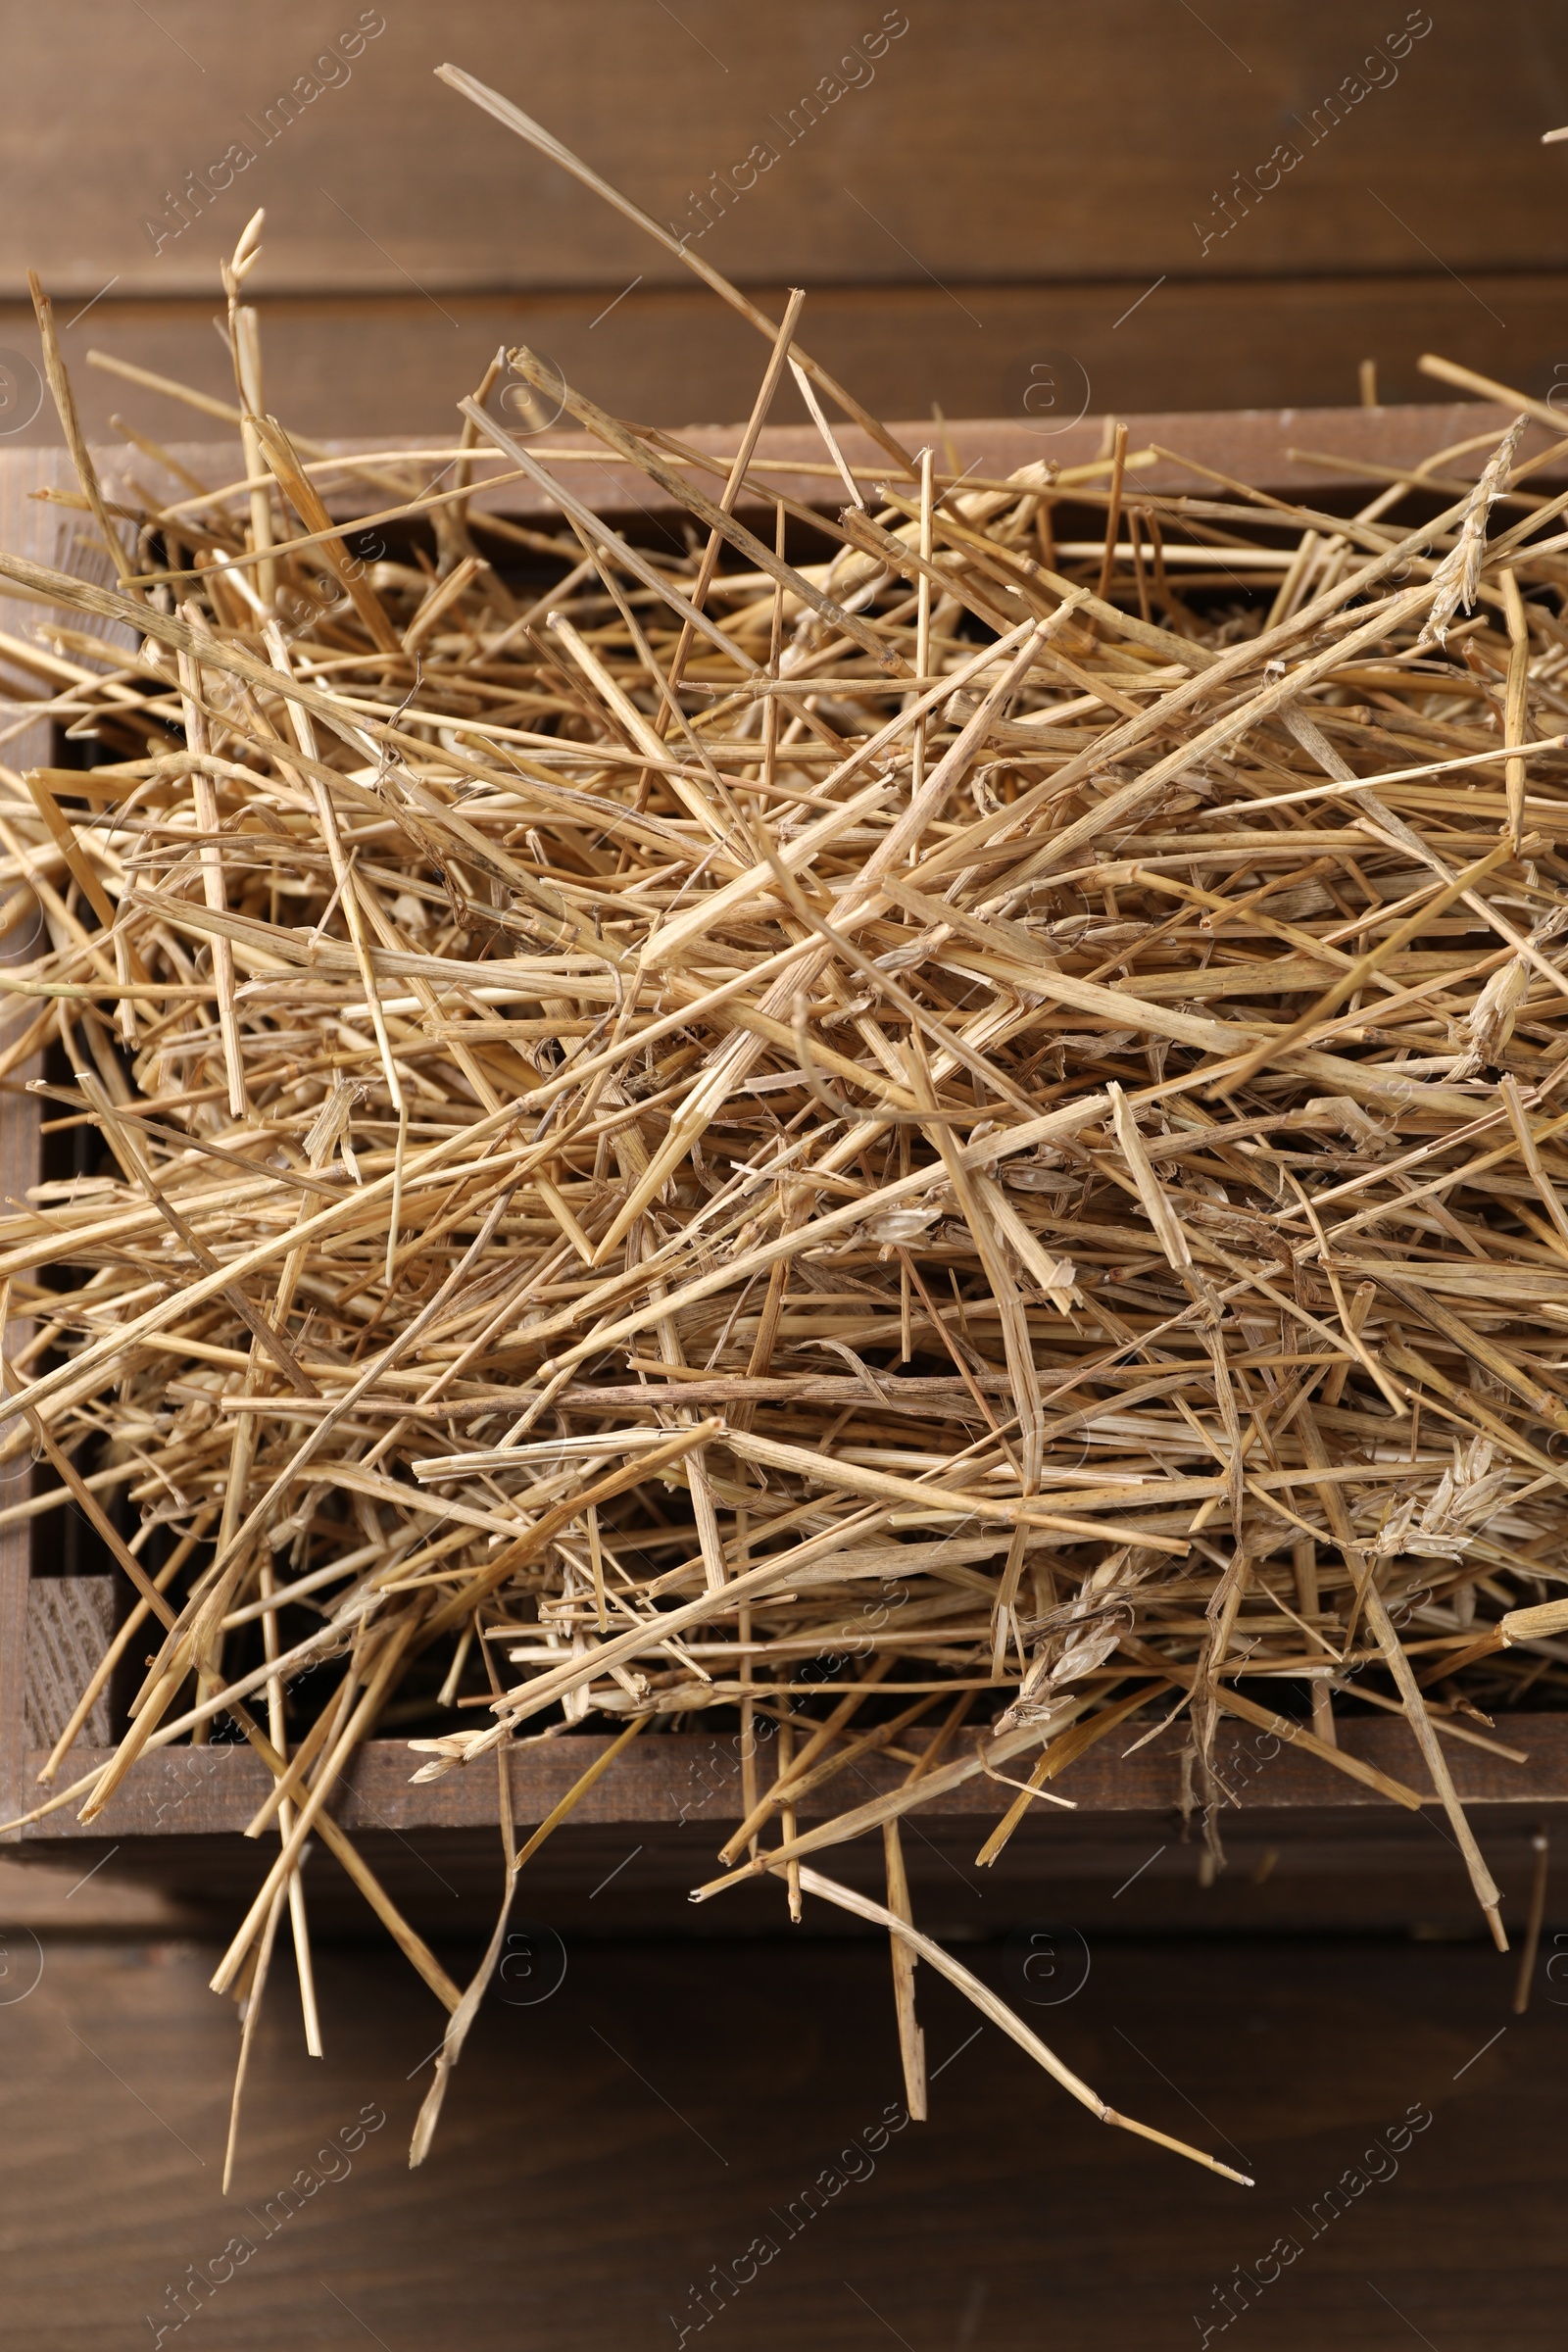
186 1790
18 1167
70 1619
1307 1849
1254 444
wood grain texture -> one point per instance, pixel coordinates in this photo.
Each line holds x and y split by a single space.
1002 182
1110 130
13 1673
601 2151
18 1167
1125 1859
71 1621
393 362
188 1790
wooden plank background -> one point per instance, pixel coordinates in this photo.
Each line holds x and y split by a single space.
993 189
600 2151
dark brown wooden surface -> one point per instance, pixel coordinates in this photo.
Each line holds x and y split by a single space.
665 1777
18 1167
385 362
1025 139
601 2149
1305 1846
1006 181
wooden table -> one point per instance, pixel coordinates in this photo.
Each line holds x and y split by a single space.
1191 205
603 2149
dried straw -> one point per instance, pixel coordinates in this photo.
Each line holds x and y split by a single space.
942 1145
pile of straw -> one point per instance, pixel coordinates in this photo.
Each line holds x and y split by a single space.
952 1138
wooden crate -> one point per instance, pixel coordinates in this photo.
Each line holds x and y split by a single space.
178 1815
